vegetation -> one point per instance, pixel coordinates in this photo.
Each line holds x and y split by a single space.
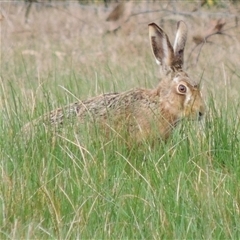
72 184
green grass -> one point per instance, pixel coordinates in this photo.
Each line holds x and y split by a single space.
80 186
73 184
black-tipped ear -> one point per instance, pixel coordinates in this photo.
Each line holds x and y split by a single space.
161 46
180 41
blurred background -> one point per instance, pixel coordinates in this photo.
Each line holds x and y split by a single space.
57 52
67 50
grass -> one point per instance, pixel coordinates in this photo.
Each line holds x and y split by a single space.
78 185
187 188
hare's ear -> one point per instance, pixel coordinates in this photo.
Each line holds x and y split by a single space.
161 47
179 44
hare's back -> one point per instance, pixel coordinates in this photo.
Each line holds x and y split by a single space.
96 106
114 105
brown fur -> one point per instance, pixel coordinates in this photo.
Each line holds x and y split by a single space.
143 113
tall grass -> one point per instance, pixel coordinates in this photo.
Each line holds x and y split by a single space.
73 184
60 187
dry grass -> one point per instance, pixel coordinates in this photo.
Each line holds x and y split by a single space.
71 38
187 189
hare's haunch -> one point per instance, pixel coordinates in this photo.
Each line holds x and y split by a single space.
144 111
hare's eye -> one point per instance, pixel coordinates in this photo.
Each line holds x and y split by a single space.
182 88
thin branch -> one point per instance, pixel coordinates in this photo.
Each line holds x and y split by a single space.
215 29
193 14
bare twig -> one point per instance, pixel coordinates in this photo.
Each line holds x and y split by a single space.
28 9
191 14
216 28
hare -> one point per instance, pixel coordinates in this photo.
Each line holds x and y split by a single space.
144 112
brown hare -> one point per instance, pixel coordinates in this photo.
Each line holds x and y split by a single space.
143 113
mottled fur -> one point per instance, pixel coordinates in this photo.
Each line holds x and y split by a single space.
144 112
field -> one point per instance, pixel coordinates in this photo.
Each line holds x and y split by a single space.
69 186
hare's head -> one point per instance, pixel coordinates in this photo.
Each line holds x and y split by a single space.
179 94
